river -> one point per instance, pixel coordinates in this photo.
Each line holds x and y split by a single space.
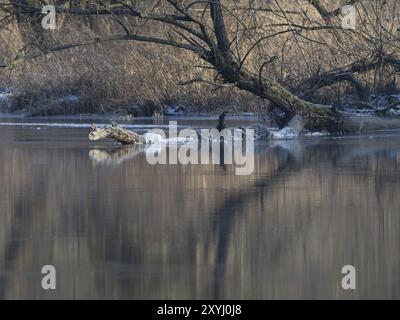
116 227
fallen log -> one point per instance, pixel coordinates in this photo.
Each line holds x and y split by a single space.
114 131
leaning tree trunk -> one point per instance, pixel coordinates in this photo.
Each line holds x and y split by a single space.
315 116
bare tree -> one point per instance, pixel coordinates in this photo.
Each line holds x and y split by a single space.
228 34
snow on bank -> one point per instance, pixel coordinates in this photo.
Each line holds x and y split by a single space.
289 133
283 134
173 111
374 103
5 97
69 98
317 134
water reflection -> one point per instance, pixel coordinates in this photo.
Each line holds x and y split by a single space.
132 230
117 155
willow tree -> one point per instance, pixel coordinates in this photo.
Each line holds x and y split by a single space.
216 32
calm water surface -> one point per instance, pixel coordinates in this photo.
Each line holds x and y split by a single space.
116 227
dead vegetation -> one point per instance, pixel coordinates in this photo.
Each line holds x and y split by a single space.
136 78
298 44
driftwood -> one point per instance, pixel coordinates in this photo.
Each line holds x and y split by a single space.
114 131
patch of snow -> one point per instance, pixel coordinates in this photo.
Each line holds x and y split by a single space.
353 104
153 138
172 111
5 95
316 134
70 98
283 134
395 111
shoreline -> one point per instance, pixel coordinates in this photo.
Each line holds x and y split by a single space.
127 119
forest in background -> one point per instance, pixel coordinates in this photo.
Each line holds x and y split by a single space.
303 47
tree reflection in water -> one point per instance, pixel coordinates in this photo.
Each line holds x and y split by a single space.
116 227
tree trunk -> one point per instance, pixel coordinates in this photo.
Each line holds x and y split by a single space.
317 117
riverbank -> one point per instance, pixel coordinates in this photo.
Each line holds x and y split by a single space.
17 104
12 102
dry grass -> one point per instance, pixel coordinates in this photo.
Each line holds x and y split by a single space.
137 77
113 77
